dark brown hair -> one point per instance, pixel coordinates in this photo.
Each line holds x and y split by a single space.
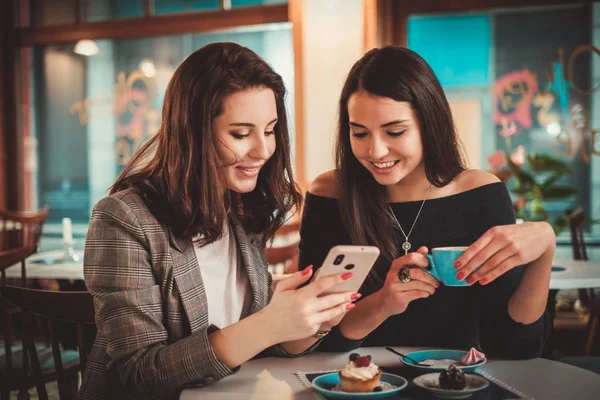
402 75
178 171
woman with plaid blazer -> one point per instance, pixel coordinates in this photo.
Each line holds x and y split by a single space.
218 167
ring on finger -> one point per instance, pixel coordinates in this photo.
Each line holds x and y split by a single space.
404 274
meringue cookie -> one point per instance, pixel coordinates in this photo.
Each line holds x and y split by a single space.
472 357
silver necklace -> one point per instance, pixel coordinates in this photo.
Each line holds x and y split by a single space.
406 245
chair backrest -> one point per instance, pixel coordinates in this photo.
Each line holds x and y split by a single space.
71 307
284 249
20 234
20 229
576 221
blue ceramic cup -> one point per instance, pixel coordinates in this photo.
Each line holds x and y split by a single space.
441 265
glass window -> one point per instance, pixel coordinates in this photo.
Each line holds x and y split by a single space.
53 12
522 87
456 61
179 6
90 114
96 10
247 3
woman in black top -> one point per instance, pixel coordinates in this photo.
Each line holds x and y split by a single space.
400 182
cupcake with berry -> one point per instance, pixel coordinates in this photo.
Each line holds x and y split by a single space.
360 375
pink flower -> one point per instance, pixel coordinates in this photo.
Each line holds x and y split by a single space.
497 160
518 156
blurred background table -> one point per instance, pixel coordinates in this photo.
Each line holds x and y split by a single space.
48 265
575 274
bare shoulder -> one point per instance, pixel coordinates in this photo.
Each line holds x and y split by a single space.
325 185
474 178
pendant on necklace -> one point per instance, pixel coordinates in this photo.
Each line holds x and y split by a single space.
406 246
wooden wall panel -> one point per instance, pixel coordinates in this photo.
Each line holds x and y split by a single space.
9 187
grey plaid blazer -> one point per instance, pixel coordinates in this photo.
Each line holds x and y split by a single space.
150 303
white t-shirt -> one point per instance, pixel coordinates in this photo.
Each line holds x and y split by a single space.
225 279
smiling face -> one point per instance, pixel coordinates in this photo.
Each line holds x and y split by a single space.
385 138
245 136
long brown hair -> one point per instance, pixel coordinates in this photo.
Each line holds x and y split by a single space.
402 75
177 171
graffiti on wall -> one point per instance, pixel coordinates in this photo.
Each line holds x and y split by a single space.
131 106
520 103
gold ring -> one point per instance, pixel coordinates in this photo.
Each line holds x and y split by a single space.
404 274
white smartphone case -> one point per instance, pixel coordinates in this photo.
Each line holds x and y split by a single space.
356 259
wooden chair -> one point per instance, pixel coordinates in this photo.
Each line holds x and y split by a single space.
570 320
587 296
20 233
285 247
69 307
576 220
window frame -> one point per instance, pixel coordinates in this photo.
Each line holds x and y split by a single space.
16 35
391 19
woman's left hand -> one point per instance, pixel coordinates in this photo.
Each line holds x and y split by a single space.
502 248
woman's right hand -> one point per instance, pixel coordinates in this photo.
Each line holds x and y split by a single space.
298 313
395 296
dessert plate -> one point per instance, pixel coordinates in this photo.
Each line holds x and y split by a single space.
329 386
425 356
430 382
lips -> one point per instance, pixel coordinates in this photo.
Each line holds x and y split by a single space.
387 164
249 171
383 167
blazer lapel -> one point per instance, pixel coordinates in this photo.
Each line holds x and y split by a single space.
188 277
189 282
250 247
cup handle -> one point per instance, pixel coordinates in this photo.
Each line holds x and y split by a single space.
431 269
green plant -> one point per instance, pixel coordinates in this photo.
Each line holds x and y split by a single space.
536 183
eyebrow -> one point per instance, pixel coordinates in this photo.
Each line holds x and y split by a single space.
398 121
250 125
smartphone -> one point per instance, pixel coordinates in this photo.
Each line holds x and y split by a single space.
356 259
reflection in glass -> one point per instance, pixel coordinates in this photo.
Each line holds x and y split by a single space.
179 6
90 114
97 10
53 12
248 3
521 72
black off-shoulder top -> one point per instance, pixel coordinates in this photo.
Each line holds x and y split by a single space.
454 317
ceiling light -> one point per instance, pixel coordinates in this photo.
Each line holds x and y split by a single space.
86 47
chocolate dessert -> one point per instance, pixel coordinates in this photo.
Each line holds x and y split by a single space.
452 378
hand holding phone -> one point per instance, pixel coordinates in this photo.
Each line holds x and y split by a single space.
348 258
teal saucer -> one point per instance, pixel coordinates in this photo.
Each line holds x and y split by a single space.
329 386
421 356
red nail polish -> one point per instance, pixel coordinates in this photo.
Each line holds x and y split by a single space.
355 296
483 281
457 265
347 276
460 276
350 306
307 270
470 280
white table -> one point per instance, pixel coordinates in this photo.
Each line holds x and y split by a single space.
577 275
274 378
63 270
